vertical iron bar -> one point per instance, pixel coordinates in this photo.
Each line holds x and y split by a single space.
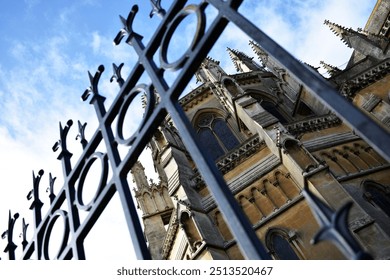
238 223
121 184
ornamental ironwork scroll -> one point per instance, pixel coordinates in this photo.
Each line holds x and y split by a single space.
70 196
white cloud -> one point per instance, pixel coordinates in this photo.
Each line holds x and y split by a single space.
96 42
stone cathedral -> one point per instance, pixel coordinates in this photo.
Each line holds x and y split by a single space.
269 138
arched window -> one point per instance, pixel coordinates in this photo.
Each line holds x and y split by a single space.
378 195
280 245
215 135
271 108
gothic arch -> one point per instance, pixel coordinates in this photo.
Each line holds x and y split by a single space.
257 199
231 86
354 157
335 167
250 209
286 184
158 199
274 195
280 244
377 195
148 203
191 230
262 95
272 104
298 153
343 159
222 226
160 140
216 131
368 155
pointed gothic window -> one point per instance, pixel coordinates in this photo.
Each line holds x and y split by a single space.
378 195
280 245
215 135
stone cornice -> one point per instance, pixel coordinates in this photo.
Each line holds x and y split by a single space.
363 80
313 124
330 140
251 77
235 157
196 96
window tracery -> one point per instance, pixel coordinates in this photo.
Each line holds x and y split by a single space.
377 194
281 244
215 134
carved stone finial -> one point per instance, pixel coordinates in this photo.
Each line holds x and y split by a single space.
259 51
237 56
340 31
311 66
330 69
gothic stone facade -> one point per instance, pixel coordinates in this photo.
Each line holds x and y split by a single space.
270 137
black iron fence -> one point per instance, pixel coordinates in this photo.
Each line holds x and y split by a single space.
70 197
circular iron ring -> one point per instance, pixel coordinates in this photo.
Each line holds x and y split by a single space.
102 183
200 29
46 237
142 88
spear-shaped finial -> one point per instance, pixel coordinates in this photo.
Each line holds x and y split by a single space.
36 204
93 88
24 234
64 155
157 9
127 29
117 75
11 246
81 134
50 189
334 226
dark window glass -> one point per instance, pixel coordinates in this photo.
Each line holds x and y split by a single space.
271 108
225 135
215 135
282 248
379 196
208 140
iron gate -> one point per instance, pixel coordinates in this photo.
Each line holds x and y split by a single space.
333 224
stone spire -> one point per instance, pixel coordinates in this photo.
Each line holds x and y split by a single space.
372 45
242 62
330 69
139 177
311 66
263 56
268 62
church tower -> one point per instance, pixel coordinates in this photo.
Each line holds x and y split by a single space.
156 207
270 138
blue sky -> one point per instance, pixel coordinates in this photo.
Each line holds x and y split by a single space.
47 47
